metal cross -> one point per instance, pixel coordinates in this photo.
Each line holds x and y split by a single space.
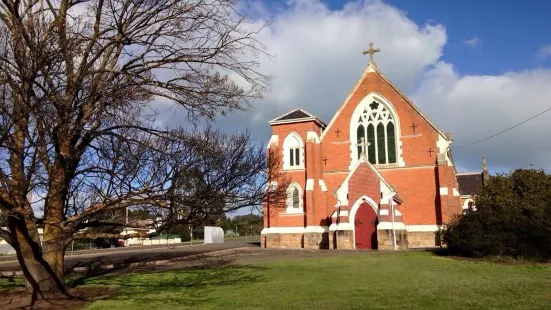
371 51
364 146
325 160
413 127
430 151
338 131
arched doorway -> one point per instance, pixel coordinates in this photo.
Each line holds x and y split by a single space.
365 227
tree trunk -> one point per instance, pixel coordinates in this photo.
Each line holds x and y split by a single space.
53 249
40 277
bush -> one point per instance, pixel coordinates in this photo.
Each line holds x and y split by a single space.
512 218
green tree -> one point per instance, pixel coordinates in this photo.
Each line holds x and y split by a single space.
512 217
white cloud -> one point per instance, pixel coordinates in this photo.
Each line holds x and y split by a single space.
473 42
318 60
544 52
473 107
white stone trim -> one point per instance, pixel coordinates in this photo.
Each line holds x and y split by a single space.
443 145
388 225
274 140
316 229
301 213
397 213
322 185
312 136
340 226
455 192
443 191
383 212
422 228
342 213
283 230
310 184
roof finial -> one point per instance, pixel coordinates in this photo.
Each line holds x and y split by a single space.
485 172
371 51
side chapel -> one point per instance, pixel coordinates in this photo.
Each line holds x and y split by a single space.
380 175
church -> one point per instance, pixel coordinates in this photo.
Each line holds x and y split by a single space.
379 175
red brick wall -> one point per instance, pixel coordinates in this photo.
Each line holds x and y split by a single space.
364 181
417 184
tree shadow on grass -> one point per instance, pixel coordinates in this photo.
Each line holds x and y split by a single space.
190 286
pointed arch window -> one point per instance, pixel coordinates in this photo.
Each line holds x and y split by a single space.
377 123
294 199
293 152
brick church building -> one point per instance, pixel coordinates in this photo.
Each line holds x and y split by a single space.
380 175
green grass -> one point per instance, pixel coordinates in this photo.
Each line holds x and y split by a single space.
408 280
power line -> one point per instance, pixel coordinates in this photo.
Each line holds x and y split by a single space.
503 131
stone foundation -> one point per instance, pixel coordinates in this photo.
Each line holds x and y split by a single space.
295 241
341 240
386 242
417 239
316 240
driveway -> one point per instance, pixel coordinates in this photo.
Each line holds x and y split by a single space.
133 254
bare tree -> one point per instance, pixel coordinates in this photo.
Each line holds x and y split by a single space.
77 84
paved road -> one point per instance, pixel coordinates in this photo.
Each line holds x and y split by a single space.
136 254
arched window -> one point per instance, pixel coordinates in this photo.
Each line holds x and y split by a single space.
293 149
294 199
378 124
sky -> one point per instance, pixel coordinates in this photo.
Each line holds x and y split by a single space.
473 67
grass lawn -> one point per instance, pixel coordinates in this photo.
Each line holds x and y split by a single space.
408 280
404 280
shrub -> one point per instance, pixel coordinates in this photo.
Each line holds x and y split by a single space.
512 218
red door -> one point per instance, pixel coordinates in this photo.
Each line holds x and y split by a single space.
365 225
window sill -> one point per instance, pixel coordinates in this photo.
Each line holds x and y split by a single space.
287 213
386 165
294 169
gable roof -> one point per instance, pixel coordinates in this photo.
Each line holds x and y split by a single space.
372 68
470 183
297 115
363 160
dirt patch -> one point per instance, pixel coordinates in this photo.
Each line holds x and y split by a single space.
81 296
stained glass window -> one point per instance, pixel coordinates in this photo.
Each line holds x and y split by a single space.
371 139
378 124
391 142
381 154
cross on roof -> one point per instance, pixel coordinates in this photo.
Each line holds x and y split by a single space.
364 146
371 51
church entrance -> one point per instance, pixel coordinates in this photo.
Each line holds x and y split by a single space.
365 227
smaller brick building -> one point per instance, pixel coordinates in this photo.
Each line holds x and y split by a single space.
380 175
